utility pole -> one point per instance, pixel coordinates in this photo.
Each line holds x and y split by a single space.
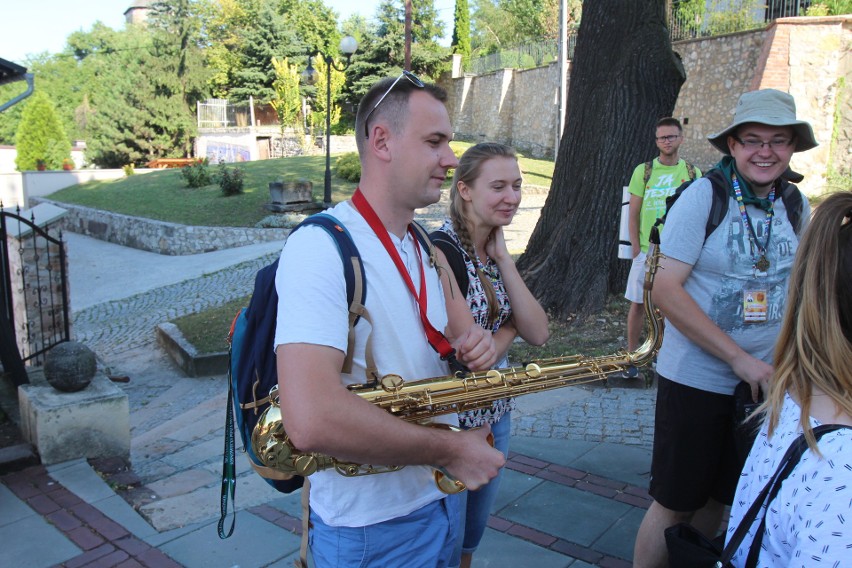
408 35
563 74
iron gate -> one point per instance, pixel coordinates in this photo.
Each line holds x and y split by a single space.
34 300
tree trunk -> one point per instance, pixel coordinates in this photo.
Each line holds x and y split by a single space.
624 78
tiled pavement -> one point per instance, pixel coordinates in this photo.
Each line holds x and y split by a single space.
562 503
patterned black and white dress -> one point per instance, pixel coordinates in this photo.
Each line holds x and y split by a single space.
479 307
809 524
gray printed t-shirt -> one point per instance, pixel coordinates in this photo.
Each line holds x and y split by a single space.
722 270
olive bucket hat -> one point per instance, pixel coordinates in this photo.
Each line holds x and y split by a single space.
772 108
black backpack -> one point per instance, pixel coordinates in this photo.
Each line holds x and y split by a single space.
790 194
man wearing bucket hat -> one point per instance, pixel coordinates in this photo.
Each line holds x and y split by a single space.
723 295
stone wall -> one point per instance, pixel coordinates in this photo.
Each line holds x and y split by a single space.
517 107
158 236
807 57
718 71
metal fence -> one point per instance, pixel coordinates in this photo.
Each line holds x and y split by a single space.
221 113
690 19
522 56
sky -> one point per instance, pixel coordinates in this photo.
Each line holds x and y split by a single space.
34 26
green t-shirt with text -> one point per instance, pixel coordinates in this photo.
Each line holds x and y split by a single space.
662 183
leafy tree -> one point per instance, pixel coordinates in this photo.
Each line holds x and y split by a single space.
314 23
227 19
318 110
499 24
40 136
570 263
139 109
267 35
382 53
287 101
461 31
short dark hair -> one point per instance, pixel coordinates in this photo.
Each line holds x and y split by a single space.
670 121
393 108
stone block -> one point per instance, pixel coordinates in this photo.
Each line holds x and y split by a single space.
91 423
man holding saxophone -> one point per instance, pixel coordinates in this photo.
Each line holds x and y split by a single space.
398 518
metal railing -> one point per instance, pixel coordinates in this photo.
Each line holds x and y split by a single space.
691 19
522 56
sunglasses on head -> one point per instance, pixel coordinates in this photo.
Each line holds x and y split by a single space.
412 78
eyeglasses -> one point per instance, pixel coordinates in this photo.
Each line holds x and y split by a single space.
755 144
669 138
412 78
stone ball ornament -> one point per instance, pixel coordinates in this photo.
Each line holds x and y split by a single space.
70 366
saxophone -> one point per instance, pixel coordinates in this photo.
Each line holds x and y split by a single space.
418 401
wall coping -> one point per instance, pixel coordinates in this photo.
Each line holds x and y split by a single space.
160 237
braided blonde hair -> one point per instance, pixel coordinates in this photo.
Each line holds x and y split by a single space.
468 170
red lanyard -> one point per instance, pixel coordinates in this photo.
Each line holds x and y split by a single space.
435 338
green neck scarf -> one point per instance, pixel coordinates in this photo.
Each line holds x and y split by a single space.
727 166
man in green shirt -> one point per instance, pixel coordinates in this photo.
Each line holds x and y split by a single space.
649 186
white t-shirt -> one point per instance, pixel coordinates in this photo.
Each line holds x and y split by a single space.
312 308
721 272
808 523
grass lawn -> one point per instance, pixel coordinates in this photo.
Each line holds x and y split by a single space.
599 334
163 195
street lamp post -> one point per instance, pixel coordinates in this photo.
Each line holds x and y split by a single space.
348 45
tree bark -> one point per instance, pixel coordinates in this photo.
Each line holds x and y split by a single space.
624 78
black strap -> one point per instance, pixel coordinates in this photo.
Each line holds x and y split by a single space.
767 494
455 258
229 468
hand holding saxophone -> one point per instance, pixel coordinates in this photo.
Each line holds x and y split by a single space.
471 457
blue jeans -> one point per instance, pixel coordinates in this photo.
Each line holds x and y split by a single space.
479 503
425 538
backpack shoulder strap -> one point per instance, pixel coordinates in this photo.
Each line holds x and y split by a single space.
425 241
690 170
649 167
353 272
793 203
719 203
455 258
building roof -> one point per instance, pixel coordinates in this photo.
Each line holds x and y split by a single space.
140 4
10 72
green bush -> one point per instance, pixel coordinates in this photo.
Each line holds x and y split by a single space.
128 170
230 180
348 167
40 137
197 175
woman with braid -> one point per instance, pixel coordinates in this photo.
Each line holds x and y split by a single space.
484 197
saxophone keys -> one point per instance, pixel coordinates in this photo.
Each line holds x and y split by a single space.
305 465
494 377
392 383
533 370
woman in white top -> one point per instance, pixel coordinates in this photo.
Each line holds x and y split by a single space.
809 523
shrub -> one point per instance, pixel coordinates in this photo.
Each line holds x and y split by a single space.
230 180
128 170
197 175
40 135
348 167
